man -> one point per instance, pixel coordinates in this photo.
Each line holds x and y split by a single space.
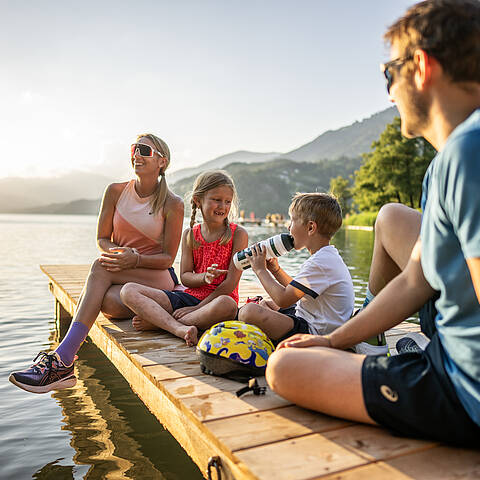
434 79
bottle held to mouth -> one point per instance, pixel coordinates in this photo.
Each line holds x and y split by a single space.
275 246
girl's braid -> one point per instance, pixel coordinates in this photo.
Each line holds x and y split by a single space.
191 239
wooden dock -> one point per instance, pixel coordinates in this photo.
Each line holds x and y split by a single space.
255 437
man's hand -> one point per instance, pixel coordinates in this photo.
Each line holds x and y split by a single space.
300 340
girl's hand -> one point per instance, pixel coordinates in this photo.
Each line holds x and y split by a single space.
213 272
301 340
181 312
258 260
121 258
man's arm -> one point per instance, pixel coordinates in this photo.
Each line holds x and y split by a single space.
401 298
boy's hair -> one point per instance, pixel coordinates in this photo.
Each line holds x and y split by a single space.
321 208
203 183
161 192
448 30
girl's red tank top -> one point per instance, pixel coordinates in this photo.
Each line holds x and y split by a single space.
206 254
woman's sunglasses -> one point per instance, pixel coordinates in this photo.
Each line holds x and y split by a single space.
143 150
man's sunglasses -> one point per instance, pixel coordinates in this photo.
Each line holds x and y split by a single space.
397 63
143 150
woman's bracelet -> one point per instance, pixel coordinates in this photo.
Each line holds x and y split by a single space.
329 338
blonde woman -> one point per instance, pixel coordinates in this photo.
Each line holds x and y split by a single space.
138 234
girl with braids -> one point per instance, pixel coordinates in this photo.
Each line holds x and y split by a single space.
138 233
207 269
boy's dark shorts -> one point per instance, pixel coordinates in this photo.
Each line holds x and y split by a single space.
300 325
181 299
412 395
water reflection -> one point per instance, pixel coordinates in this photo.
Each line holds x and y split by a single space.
111 430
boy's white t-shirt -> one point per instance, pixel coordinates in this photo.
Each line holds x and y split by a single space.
329 297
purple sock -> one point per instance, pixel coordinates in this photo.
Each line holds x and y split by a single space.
75 336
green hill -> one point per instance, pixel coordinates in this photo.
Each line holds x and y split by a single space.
268 187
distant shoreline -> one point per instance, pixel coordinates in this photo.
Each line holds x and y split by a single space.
263 224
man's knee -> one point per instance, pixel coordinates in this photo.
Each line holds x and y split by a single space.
387 216
278 368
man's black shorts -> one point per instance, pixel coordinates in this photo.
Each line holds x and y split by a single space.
412 395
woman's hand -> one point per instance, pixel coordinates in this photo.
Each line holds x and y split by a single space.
181 312
213 272
300 340
120 258
258 259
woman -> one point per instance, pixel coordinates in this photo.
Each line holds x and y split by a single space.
139 231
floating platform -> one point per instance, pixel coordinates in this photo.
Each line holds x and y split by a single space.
253 437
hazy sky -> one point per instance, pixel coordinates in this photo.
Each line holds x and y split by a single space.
79 79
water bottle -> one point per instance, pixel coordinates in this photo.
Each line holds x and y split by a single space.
276 246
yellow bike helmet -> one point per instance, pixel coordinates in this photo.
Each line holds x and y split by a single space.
234 349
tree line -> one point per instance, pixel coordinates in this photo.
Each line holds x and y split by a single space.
391 172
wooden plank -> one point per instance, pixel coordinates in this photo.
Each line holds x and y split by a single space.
374 443
254 429
300 458
218 405
440 463
373 471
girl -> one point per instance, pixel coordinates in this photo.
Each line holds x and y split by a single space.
207 269
138 233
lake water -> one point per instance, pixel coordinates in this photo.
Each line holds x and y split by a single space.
98 429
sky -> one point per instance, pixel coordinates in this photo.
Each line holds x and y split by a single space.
80 79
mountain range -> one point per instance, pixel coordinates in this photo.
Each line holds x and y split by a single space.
80 192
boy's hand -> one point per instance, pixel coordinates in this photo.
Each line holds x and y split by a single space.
258 259
300 340
272 265
213 272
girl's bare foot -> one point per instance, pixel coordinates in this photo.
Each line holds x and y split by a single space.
142 325
190 337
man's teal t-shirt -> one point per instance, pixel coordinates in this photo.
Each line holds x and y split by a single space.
450 234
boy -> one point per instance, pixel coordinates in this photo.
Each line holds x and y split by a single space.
320 298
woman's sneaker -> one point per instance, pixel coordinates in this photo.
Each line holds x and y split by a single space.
412 343
49 373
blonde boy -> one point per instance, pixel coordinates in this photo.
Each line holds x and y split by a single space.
320 297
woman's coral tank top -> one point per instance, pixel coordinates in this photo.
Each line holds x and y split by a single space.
134 224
